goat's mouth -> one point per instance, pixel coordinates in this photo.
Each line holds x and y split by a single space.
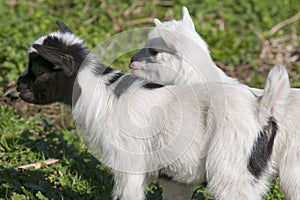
135 69
28 96
135 66
22 89
38 98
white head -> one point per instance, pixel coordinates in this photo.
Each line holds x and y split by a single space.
174 54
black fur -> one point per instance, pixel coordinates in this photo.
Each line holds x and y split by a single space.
152 86
35 61
124 84
103 70
76 93
51 71
107 70
139 55
114 78
163 175
262 149
63 28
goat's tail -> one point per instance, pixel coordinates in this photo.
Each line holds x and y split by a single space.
273 103
272 108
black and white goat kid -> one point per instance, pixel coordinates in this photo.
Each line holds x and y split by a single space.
146 131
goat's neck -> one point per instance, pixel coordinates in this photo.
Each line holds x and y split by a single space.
97 113
202 69
94 102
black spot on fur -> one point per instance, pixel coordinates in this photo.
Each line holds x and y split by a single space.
152 86
255 95
76 93
125 82
114 78
107 70
163 175
262 149
102 70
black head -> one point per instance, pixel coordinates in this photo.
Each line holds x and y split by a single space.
54 61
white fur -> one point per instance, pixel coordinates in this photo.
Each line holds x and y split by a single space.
190 63
196 122
66 38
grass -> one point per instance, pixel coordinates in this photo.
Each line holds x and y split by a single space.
76 175
231 29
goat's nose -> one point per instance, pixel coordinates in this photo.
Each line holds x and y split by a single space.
133 58
20 84
24 73
22 76
138 56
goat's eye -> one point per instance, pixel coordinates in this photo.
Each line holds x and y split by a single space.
38 70
153 52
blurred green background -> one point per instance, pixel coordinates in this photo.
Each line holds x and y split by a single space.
246 39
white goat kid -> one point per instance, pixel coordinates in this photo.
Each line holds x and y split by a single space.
176 54
146 131
199 121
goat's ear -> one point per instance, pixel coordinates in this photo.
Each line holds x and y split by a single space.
171 37
186 18
58 57
157 22
63 28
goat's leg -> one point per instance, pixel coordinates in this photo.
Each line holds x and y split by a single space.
289 171
129 186
229 180
176 191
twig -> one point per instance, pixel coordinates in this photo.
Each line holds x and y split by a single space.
132 7
165 3
284 23
85 8
140 21
116 26
257 33
90 20
38 165
11 90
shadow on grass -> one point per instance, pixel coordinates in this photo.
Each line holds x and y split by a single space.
77 175
29 183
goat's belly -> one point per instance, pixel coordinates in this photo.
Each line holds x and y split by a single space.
185 170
